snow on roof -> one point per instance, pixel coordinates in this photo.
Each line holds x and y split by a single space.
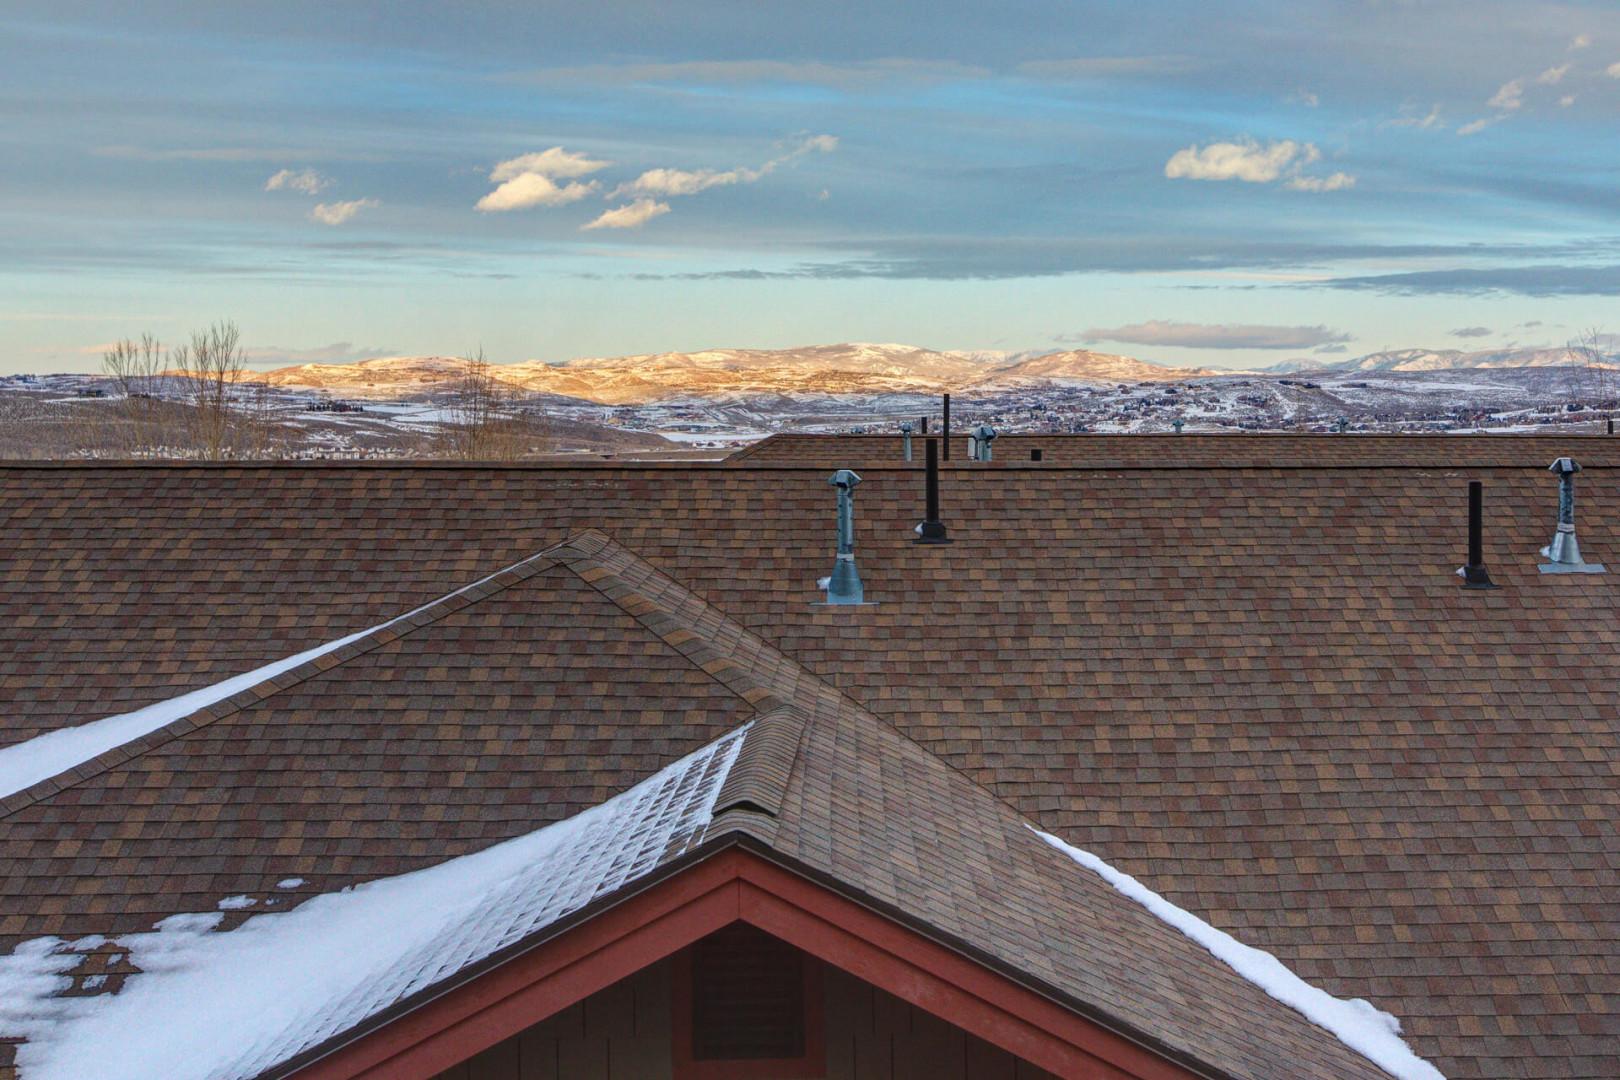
229 1005
1371 1032
44 756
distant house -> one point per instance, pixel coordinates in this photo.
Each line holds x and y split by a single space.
1180 747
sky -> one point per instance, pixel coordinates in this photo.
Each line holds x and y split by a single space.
1223 185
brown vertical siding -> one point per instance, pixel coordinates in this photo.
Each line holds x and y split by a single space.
623 1033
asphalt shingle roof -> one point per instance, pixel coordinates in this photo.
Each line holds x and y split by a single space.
1259 689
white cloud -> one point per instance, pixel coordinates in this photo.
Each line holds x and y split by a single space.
1304 97
1580 41
532 189
1566 101
1553 75
1410 118
556 163
1250 162
307 181
1337 182
1215 335
1244 160
1613 70
1474 127
531 180
1509 97
668 182
683 181
339 212
629 216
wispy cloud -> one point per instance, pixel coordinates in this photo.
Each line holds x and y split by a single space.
531 180
269 155
1613 70
1540 281
737 72
339 212
307 181
1580 41
670 182
1254 163
1094 67
1553 75
1471 332
1216 335
1336 182
1410 116
339 352
629 216
1509 96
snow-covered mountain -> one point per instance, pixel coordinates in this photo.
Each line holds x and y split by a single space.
1445 360
853 368
1082 365
815 370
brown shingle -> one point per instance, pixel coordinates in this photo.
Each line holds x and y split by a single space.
1259 690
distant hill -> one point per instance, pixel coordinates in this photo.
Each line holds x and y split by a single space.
815 370
1445 360
1081 365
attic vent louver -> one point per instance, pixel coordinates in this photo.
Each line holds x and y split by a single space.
844 586
905 438
1563 555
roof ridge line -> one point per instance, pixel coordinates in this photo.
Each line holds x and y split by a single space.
750 800
677 615
609 559
354 645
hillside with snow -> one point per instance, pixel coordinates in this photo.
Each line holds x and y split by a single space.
856 368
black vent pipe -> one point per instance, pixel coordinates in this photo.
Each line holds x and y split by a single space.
945 427
1474 574
931 530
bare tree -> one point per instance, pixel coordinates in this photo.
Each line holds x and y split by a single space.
1587 350
210 366
136 369
480 423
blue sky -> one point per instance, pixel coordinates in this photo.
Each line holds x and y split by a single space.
1214 184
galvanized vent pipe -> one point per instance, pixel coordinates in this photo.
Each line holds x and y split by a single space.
1563 555
844 586
983 435
905 438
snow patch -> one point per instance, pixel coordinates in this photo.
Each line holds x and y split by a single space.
1371 1032
318 970
236 903
55 752
289 883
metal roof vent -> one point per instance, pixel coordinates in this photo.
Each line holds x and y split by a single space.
844 586
1473 573
905 438
1178 423
931 530
1563 555
979 443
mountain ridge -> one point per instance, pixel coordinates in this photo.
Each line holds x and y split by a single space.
847 368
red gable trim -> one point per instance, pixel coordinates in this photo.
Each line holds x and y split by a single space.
731 885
